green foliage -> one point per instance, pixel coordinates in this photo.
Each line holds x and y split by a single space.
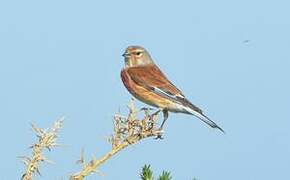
146 173
165 176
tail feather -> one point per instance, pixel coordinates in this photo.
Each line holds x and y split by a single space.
203 117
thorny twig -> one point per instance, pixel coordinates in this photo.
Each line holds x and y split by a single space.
46 140
127 130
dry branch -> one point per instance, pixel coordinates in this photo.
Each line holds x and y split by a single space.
127 131
46 140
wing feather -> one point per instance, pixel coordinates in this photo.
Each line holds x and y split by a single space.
150 76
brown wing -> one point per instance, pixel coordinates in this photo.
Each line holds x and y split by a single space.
151 77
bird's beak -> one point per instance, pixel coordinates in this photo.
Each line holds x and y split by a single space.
126 54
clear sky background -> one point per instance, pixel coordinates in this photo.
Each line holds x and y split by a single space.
231 58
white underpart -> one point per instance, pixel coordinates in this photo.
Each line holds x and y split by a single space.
201 117
191 111
179 107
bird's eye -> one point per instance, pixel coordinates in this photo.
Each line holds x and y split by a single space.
138 53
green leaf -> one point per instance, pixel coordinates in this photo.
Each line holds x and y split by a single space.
165 176
146 174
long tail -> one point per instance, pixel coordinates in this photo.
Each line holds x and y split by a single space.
202 117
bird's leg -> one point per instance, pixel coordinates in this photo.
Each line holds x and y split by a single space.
154 114
151 118
165 117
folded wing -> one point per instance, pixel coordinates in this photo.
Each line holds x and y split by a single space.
153 79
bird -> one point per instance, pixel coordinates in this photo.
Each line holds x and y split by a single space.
147 83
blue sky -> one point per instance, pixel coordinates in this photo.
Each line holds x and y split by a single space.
63 58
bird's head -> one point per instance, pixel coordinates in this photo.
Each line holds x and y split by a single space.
136 56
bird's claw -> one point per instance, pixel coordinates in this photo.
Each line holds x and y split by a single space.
159 136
